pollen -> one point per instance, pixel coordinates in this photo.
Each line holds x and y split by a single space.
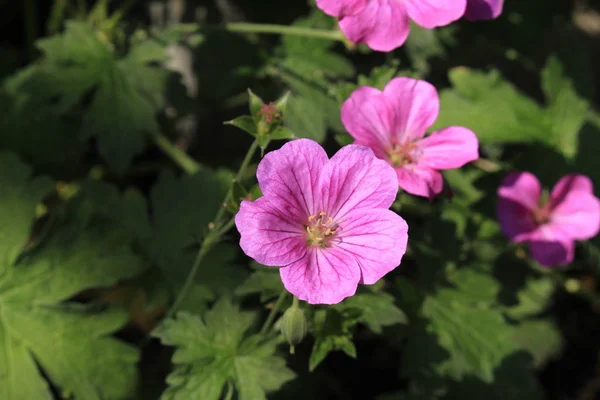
401 154
320 229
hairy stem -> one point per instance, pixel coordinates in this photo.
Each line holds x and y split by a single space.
284 30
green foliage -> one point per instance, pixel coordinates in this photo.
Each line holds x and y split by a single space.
498 113
215 352
128 89
38 321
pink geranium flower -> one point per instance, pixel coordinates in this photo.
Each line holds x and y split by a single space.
393 123
483 9
571 213
384 24
324 221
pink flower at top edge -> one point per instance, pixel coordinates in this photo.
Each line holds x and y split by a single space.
571 213
393 123
384 24
483 9
325 222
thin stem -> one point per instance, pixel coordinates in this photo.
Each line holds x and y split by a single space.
206 246
269 29
215 235
284 30
238 177
177 155
30 25
271 317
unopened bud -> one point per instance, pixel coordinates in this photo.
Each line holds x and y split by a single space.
294 325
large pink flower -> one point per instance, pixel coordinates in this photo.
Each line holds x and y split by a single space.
324 221
571 213
393 123
384 24
483 9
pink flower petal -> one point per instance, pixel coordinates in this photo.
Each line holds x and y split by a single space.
377 238
341 8
322 276
483 9
368 119
434 13
382 24
420 181
516 220
449 148
354 179
268 235
568 184
521 187
288 176
415 104
577 216
550 247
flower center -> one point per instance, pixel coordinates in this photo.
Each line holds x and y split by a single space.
401 154
320 230
541 215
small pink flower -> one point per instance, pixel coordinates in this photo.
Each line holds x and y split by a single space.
393 123
483 9
384 24
324 221
551 228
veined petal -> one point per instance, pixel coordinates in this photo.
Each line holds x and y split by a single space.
449 148
290 175
420 181
368 118
322 276
268 235
483 9
521 187
415 105
568 184
354 179
341 8
433 13
377 238
382 24
577 216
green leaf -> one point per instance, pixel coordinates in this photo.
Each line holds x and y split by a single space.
533 299
255 106
245 123
215 350
128 90
476 336
376 310
332 330
492 108
541 338
305 118
70 341
567 110
21 195
264 281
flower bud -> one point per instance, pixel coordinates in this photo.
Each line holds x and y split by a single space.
294 326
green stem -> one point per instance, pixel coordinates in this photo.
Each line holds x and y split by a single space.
177 155
217 233
238 177
269 29
284 30
206 246
271 317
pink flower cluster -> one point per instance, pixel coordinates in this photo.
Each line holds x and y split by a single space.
326 222
384 24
